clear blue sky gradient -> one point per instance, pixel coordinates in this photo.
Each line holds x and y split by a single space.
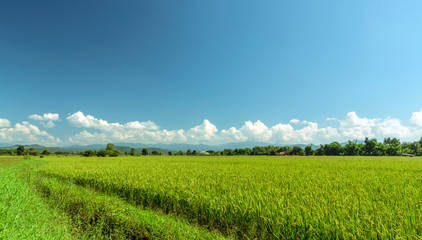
179 62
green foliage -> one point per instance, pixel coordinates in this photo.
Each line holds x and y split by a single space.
132 152
89 153
309 151
46 152
297 151
144 151
334 149
113 153
352 149
109 147
20 151
32 152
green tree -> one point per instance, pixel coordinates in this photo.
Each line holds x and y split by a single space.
89 153
297 151
188 152
170 153
393 147
415 148
369 147
114 153
309 151
109 147
32 152
45 152
20 150
132 152
102 153
144 151
334 149
227 152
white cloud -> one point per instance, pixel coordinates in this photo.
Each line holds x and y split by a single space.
232 135
256 131
416 119
392 127
25 133
285 133
46 120
148 125
45 117
296 131
78 119
354 127
294 121
206 132
4 122
139 132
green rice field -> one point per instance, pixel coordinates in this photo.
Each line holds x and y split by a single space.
234 197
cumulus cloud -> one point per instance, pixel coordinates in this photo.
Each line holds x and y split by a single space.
96 130
145 132
355 127
416 119
46 120
393 127
25 132
294 121
45 117
78 119
206 132
4 122
295 131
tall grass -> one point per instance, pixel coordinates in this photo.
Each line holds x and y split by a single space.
266 197
35 207
107 217
23 213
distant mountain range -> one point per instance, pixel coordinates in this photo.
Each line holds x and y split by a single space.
165 148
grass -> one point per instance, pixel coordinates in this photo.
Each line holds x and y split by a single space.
9 161
33 206
266 197
23 213
112 218
177 197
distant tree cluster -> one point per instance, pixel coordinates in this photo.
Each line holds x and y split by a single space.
108 152
21 151
370 147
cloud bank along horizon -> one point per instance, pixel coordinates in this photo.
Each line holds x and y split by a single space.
100 131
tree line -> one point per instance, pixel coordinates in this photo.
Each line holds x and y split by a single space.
370 147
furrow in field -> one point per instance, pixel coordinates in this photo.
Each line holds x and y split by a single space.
114 218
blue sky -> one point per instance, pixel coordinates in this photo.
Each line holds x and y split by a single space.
209 72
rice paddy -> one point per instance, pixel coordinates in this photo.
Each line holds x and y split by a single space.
182 197
264 197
